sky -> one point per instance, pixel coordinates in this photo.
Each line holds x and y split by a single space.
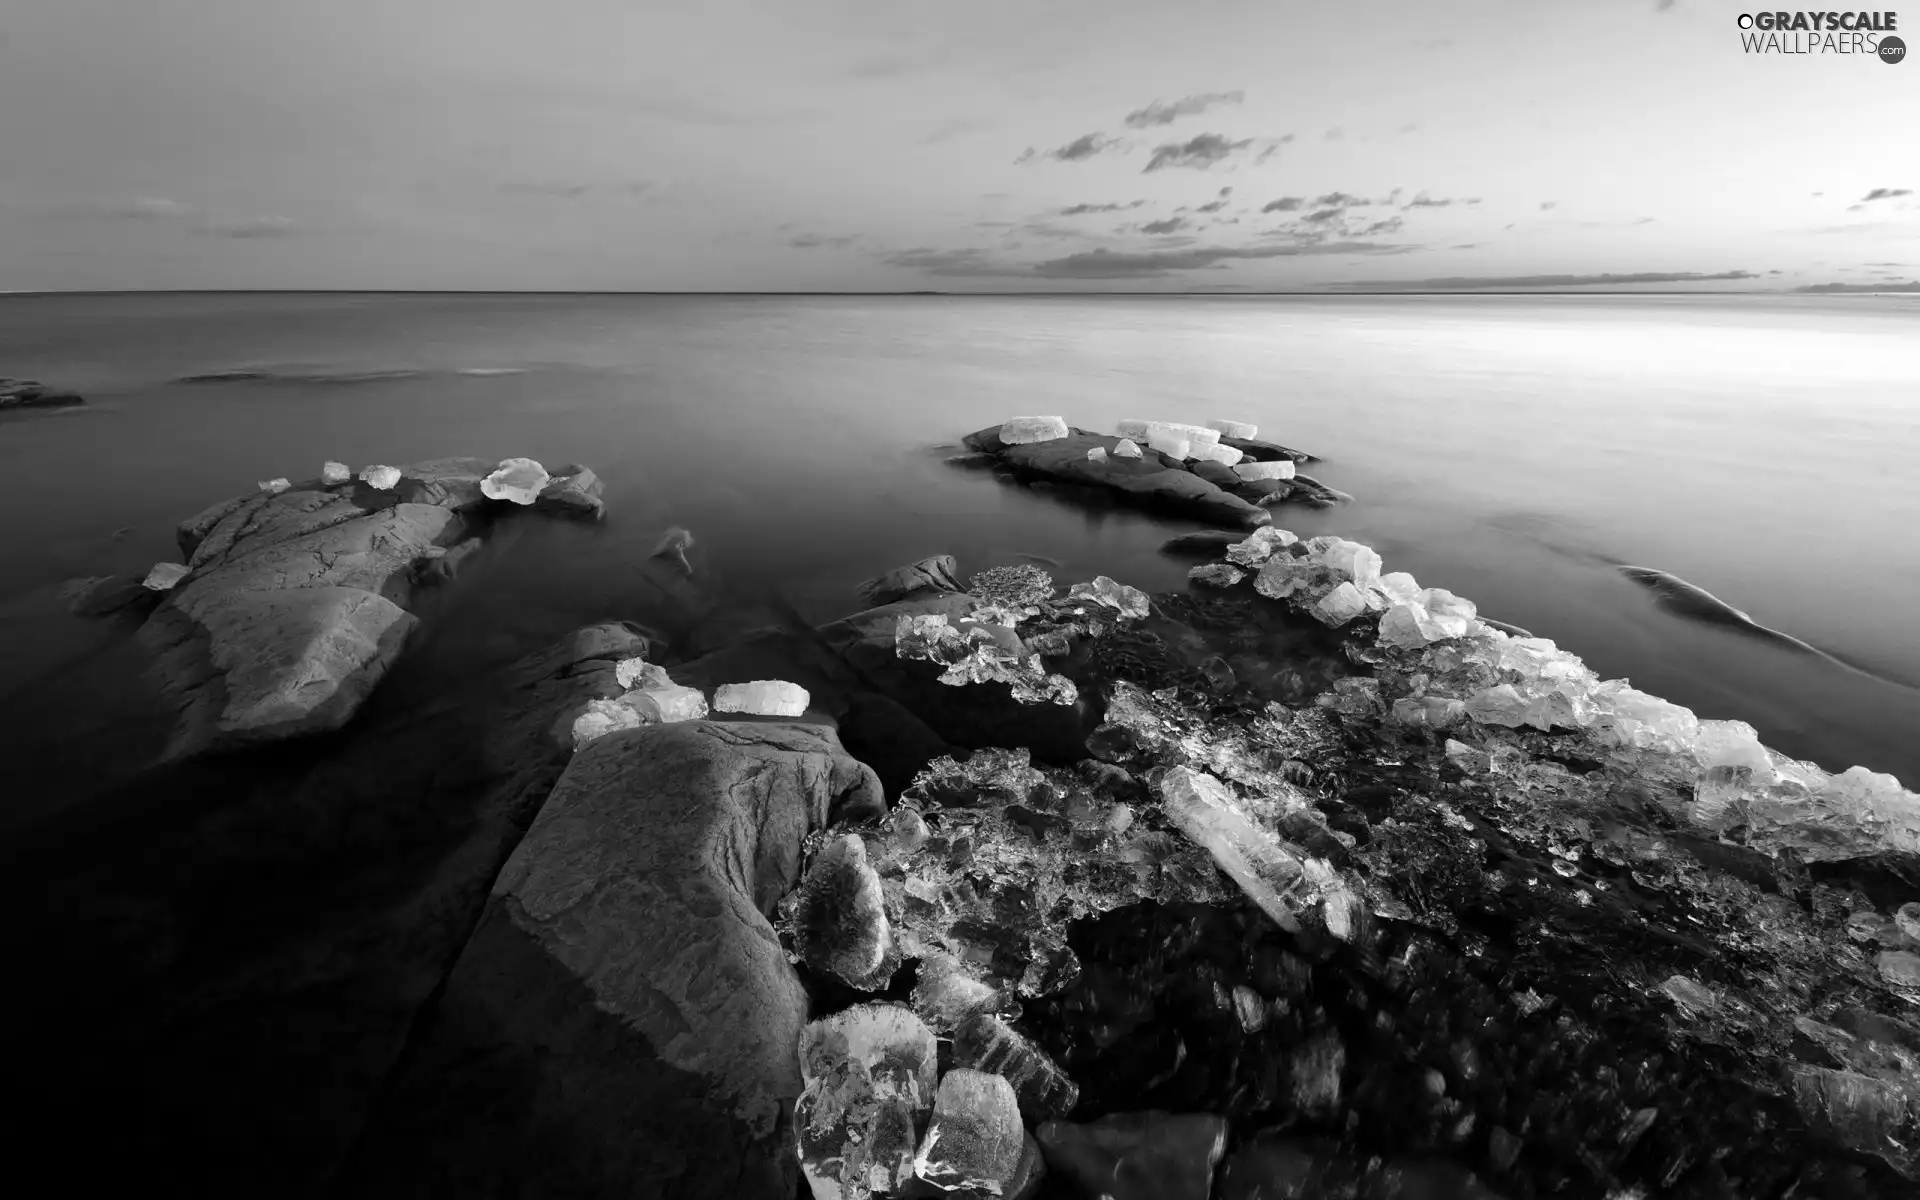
900 145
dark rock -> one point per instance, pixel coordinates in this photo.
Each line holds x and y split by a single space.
935 574
107 595
623 1020
1153 481
1260 451
881 732
1259 490
445 568
1311 490
1138 1156
25 393
1274 1168
1208 543
1219 475
574 492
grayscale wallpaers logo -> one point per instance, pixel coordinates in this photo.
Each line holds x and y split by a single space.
1869 34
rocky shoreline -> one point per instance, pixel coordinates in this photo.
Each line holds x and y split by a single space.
1304 881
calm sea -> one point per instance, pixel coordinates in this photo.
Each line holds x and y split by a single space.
1511 449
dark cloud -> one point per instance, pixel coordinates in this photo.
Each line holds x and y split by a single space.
1320 216
1187 106
1047 229
1115 264
1196 153
148 208
1079 149
1908 286
1516 282
1334 134
1775 271
1284 204
1080 210
1422 200
813 241
1170 225
1663 5
1466 246
953 263
1549 205
1886 194
1215 205
249 227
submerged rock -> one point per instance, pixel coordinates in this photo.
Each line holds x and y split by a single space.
1138 1156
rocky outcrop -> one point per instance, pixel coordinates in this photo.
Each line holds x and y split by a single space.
294 605
26 393
624 1008
1153 481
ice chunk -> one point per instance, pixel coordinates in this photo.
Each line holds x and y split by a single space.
1234 429
766 697
1127 448
976 1136
273 487
1219 575
1282 577
1430 712
1631 718
1341 605
1259 546
605 716
1349 561
1129 601
1284 469
1136 430
1023 430
869 1076
1733 744
669 703
380 479
1432 615
1272 875
840 926
885 1039
1224 455
986 1043
946 996
333 474
1097 454
164 576
1497 705
1170 444
638 672
515 479
1198 435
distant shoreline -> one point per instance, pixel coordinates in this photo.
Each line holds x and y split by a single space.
945 295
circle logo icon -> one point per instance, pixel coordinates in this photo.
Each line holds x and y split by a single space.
1892 49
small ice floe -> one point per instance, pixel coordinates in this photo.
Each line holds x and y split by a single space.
381 479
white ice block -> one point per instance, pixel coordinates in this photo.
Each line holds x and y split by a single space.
164 576
333 474
1226 456
1284 469
380 478
515 479
1022 430
764 697
1235 429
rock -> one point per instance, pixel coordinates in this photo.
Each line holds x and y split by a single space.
104 595
1027 430
1208 543
333 474
1279 1168
870 1076
840 924
763 697
624 1005
574 492
1218 474
517 480
1262 491
1013 586
1155 481
935 574
445 567
164 577
1236 429
1311 489
26 393
975 1139
1282 468
986 1043
1124 448
380 478
1138 1156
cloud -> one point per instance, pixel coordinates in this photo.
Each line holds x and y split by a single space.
1324 214
1422 200
958 263
814 241
1516 282
1549 205
1886 194
1908 286
1663 5
1284 204
1408 129
1187 106
1334 134
1115 264
1170 225
1198 153
250 227
1080 210
1217 203
1078 150
1271 147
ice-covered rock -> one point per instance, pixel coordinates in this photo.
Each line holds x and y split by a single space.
516 479
273 487
1280 469
1341 605
333 474
976 1136
1259 546
1220 575
1282 880
1127 448
1097 454
1023 430
765 697
1127 601
1226 456
1234 429
869 1076
840 925
380 478
164 576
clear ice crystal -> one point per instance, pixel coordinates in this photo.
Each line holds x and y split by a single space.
638 672
869 1079
516 479
1127 601
976 1136
1281 879
1341 605
1259 546
1022 431
1127 448
764 697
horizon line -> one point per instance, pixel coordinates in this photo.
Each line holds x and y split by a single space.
1572 291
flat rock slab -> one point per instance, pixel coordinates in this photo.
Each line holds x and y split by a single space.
27 393
1153 480
624 1021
